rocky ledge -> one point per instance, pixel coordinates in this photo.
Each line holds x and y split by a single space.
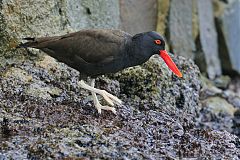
44 114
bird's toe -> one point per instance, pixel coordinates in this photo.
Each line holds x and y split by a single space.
109 101
100 107
110 98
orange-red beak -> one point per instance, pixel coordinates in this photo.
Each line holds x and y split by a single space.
168 60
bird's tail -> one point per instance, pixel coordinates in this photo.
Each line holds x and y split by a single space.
31 42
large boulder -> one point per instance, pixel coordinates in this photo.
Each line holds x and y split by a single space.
229 26
207 56
132 19
162 18
45 114
163 9
180 28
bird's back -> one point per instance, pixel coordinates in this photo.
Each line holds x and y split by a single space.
92 52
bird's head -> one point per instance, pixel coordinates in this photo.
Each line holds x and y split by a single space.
153 43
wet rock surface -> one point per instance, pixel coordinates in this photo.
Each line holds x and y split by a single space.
156 121
219 107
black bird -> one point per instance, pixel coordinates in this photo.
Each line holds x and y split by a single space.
96 52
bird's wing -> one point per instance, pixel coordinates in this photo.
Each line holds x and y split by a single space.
92 46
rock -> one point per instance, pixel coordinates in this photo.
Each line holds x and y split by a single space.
228 93
219 7
92 14
18 75
41 90
235 85
153 85
195 22
232 98
163 9
180 28
222 82
216 113
210 62
236 123
209 89
110 85
218 105
229 25
235 101
47 62
162 111
139 118
132 21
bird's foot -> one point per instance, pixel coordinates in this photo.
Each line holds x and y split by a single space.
111 99
99 108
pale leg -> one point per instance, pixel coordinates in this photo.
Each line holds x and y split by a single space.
111 99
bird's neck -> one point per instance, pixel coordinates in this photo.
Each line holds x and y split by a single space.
136 54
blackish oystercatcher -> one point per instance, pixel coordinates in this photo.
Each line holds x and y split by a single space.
96 52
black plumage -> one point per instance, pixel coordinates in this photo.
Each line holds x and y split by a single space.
96 52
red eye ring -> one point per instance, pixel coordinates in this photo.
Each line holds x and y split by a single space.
158 41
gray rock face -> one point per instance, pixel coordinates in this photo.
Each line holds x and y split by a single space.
180 28
208 39
93 14
138 15
230 29
53 17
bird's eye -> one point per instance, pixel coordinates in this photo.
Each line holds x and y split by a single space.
157 42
